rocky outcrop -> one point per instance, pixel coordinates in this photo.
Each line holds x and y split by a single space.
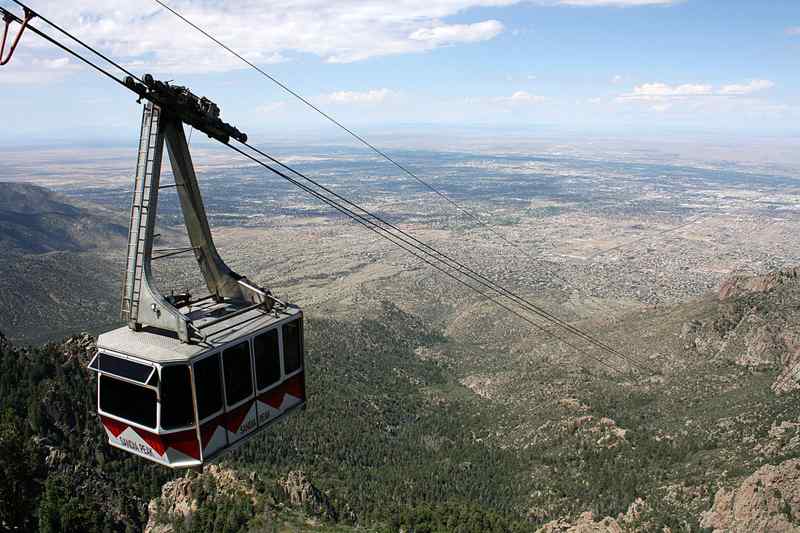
753 324
768 500
586 523
302 493
182 497
603 431
81 347
783 438
740 285
750 339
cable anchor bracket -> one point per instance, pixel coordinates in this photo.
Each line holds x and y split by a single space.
8 18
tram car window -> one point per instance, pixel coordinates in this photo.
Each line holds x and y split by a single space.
209 386
129 401
238 376
292 346
177 409
125 368
266 353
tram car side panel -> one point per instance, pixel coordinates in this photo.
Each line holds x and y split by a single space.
279 370
276 393
241 417
210 408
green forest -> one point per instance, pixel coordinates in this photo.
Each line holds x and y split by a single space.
392 440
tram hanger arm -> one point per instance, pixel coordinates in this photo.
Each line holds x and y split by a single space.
8 18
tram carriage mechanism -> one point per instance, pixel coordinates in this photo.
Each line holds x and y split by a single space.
189 378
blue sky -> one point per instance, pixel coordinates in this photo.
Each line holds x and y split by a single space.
600 66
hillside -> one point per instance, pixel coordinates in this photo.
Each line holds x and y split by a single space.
37 220
61 264
418 444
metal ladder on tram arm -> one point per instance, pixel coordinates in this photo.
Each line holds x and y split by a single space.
142 303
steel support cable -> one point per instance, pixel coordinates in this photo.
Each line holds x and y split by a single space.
82 43
487 282
353 134
109 75
397 241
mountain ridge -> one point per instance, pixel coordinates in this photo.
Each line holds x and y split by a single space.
34 219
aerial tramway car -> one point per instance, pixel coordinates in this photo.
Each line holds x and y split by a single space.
189 378
181 404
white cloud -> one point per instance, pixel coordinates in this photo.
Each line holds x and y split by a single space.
372 96
521 97
458 33
700 97
660 91
747 88
793 31
617 78
27 69
145 37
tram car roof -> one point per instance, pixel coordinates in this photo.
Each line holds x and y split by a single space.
164 347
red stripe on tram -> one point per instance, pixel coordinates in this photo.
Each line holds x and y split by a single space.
208 429
295 386
114 426
235 418
185 442
273 398
153 440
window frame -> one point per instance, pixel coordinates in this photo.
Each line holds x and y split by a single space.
282 373
192 391
130 381
301 351
249 341
95 366
148 384
132 423
196 393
